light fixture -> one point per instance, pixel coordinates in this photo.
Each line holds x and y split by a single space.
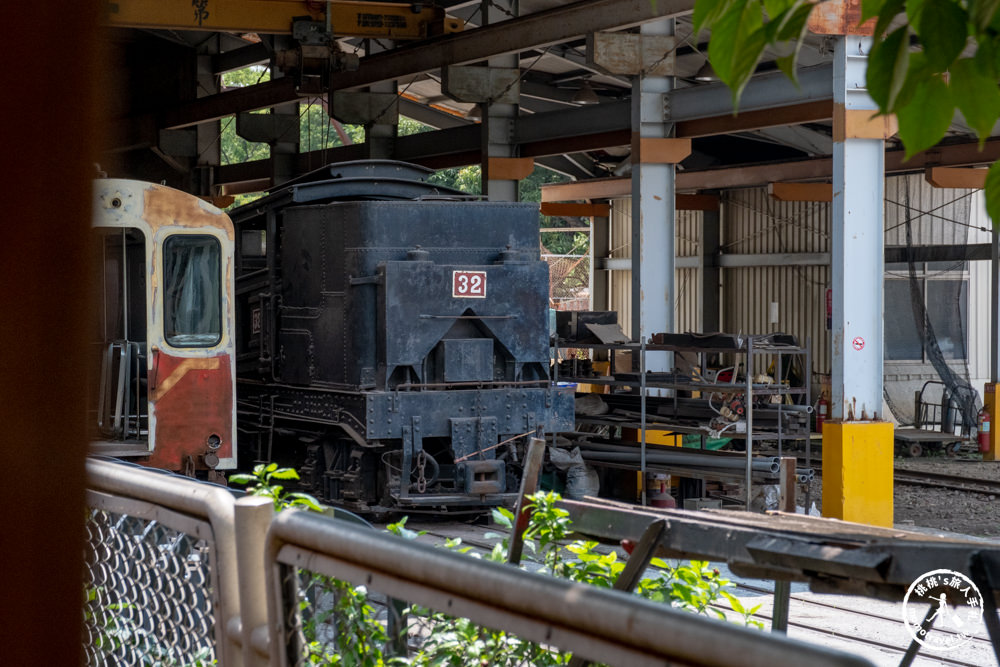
706 73
586 95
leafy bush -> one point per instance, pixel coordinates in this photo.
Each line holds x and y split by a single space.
347 630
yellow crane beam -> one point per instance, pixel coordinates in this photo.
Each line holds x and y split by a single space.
347 18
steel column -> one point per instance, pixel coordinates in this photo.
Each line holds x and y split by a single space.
653 214
600 247
858 173
380 136
711 274
995 309
499 119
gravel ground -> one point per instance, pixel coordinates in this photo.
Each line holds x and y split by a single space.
941 509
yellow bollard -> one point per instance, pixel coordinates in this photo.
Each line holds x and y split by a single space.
857 471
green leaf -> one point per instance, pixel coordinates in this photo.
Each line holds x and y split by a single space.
271 467
707 12
993 194
981 13
976 95
887 66
988 58
721 48
870 8
734 602
914 8
776 8
285 473
503 517
242 478
925 119
305 500
890 9
943 32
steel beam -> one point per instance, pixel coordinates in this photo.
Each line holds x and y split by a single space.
204 109
857 243
745 121
559 24
764 91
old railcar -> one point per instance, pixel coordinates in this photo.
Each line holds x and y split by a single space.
392 339
162 345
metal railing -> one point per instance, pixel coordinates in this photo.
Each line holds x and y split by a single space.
159 580
184 573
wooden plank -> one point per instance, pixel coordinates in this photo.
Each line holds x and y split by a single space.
862 124
597 188
697 203
573 210
652 150
787 475
529 485
955 177
510 168
801 191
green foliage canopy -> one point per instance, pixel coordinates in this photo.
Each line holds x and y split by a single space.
930 58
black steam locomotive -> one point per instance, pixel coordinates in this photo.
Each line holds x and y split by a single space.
392 339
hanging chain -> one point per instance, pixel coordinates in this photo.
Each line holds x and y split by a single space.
421 465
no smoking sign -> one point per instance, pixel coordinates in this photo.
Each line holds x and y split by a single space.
858 343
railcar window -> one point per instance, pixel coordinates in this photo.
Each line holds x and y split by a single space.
192 291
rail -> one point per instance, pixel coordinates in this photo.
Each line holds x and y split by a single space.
184 572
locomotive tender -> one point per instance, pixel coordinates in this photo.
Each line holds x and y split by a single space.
391 339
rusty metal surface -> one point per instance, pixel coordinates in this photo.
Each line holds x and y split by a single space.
839 17
190 390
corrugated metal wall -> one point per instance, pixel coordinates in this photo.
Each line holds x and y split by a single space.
939 216
687 304
754 223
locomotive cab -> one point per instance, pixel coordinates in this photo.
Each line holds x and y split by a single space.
161 372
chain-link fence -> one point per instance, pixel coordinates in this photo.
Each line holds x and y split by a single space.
149 592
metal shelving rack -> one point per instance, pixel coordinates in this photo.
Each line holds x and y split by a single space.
747 349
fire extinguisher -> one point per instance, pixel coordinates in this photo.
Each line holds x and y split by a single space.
821 412
983 431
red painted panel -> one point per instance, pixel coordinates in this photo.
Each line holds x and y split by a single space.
192 398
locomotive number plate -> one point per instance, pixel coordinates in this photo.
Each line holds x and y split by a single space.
468 284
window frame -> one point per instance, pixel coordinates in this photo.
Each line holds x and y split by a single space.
925 275
170 339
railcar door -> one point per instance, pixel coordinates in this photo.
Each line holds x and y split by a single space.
163 340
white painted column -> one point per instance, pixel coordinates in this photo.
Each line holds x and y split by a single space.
653 213
858 254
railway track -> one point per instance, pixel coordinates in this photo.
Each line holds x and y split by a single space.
945 481
934 479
